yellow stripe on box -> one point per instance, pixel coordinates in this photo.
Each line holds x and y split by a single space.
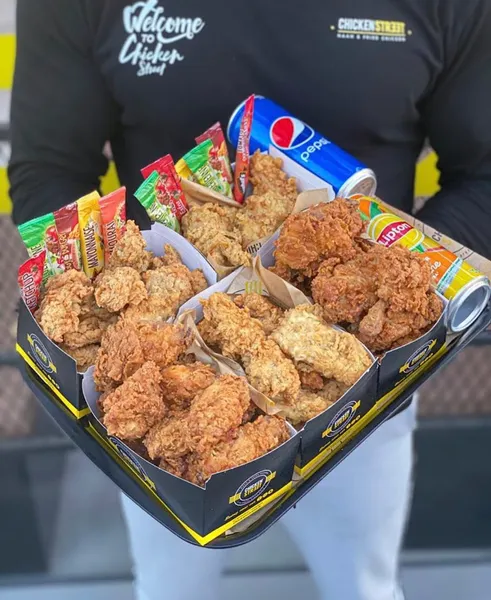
76 412
201 539
7 60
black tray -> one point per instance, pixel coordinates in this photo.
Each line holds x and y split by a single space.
121 477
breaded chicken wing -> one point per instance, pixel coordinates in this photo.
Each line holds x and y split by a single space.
127 345
129 250
167 288
251 441
168 440
84 356
210 227
61 304
181 383
216 411
237 335
135 406
262 215
306 338
307 239
117 288
262 309
267 176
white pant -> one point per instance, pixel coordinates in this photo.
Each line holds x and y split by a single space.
349 527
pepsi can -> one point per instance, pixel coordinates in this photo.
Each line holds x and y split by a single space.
274 126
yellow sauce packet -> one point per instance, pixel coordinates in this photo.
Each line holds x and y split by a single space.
89 217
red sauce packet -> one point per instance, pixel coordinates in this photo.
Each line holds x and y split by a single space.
113 219
220 158
30 278
168 188
66 219
241 175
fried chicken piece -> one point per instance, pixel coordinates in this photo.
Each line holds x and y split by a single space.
306 338
127 345
170 257
168 440
307 406
262 215
309 378
234 328
216 411
167 287
262 309
129 250
136 405
345 291
91 328
267 176
210 227
326 230
383 328
241 337
175 466
84 356
251 441
271 372
60 307
181 383
117 288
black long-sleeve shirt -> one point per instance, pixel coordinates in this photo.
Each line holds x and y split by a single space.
375 76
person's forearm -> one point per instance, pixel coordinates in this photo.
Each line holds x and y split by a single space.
463 212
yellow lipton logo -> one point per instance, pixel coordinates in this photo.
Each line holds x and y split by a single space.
342 419
418 357
41 355
252 488
372 30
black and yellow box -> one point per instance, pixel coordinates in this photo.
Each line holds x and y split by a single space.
399 364
318 434
228 497
56 368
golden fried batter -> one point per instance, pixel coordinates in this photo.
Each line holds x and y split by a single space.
217 410
181 383
251 441
60 307
262 309
118 287
135 406
129 250
334 354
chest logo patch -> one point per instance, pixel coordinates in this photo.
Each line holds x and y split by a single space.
370 30
152 35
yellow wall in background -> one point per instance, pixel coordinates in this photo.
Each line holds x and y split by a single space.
426 172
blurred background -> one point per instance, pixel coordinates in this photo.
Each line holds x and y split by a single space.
61 531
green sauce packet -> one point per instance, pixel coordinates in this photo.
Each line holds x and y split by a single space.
146 194
200 161
41 234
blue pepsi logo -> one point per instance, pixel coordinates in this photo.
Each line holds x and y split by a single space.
288 133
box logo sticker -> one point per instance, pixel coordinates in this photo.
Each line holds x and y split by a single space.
132 462
342 419
41 355
252 488
418 357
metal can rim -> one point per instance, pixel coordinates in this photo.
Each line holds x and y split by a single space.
355 179
480 283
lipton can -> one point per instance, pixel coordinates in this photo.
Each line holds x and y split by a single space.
467 289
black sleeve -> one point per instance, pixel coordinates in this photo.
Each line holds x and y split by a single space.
61 113
457 117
